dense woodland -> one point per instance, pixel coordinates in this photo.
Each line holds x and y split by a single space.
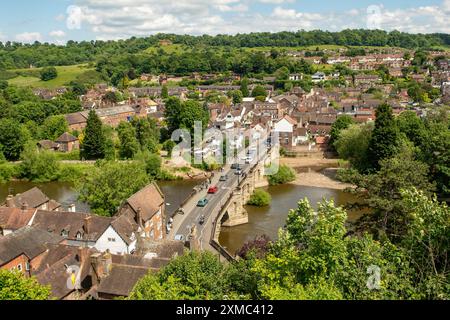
17 55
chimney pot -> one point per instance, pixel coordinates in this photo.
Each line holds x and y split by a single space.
87 224
10 201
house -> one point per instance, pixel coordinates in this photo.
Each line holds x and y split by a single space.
318 76
22 249
13 219
76 121
285 129
147 209
295 77
33 198
67 142
48 145
117 234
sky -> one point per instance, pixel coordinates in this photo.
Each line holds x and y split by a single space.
58 21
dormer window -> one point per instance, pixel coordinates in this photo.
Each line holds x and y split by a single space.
79 236
64 233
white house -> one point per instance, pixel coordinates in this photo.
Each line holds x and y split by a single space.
285 128
118 234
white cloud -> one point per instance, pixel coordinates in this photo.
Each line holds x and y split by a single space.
60 17
29 37
57 34
113 19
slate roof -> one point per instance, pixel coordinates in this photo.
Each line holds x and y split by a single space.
66 137
33 198
72 223
28 240
121 280
149 200
15 218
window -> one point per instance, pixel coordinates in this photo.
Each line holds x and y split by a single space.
27 266
65 234
112 239
19 267
79 236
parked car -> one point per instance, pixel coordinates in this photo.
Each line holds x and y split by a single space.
213 190
179 237
238 172
235 166
202 203
223 178
202 220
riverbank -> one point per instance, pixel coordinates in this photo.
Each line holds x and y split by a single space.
319 173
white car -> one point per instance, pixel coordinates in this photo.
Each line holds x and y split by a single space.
179 237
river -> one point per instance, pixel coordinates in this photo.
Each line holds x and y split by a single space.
268 220
261 220
175 191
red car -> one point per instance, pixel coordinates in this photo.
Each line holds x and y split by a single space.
213 190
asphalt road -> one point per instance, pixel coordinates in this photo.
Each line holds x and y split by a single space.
215 202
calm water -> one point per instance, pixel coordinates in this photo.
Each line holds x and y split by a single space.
63 192
269 219
175 192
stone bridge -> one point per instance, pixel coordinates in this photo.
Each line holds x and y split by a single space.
233 212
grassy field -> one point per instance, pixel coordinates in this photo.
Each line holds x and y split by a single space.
65 75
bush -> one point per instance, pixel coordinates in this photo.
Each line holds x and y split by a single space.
284 175
49 73
260 198
39 166
9 171
73 172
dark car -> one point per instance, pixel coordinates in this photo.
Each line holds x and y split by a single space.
202 220
235 166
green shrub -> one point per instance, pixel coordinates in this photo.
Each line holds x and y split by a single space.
285 174
39 166
9 171
260 198
73 172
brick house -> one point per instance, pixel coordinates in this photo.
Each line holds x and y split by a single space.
67 142
147 209
23 249
33 198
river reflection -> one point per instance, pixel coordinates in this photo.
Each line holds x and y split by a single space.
269 219
175 192
62 192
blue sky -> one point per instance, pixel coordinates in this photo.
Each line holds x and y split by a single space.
61 20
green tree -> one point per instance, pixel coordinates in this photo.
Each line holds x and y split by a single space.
385 138
244 87
236 96
15 286
13 137
172 114
48 73
259 91
284 174
164 92
147 133
93 144
353 145
412 126
191 112
282 73
53 127
341 123
129 145
39 166
382 193
260 198
110 183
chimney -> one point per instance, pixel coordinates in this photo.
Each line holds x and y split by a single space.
101 265
24 206
10 201
139 217
87 224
